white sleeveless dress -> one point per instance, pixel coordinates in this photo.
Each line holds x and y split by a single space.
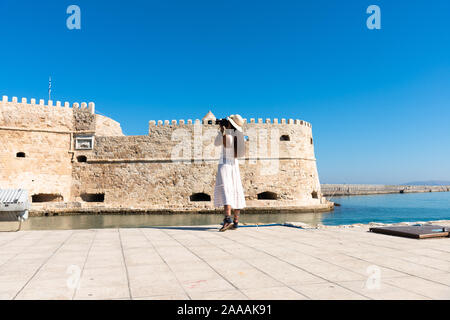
228 189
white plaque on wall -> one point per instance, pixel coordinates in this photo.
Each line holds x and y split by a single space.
84 143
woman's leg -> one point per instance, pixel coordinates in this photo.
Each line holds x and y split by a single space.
236 218
236 215
227 210
227 221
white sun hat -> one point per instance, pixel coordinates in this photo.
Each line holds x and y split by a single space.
237 121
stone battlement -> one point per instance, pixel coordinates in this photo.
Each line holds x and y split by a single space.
252 121
41 103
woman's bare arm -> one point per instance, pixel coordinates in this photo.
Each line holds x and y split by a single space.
227 140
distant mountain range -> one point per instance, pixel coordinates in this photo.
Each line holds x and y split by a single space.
427 183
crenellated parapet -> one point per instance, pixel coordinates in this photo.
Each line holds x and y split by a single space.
266 121
90 107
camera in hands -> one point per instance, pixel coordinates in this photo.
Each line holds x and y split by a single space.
222 122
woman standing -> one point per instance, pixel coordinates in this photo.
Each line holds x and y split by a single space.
228 191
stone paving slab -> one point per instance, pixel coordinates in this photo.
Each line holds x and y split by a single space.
274 262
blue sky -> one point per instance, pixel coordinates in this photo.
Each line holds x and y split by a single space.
378 99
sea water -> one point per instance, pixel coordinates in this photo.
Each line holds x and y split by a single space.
389 208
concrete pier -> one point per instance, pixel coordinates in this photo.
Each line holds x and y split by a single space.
200 263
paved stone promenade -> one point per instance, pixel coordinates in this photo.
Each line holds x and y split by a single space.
201 263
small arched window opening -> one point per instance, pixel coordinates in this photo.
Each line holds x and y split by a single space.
20 155
315 195
246 138
267 195
210 122
81 158
200 197
46 197
311 140
93 197
285 137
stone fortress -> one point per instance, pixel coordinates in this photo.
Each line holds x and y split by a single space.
72 160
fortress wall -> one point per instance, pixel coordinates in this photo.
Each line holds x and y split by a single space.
107 127
170 185
46 167
83 121
43 132
30 115
161 170
180 141
53 116
293 181
143 184
139 171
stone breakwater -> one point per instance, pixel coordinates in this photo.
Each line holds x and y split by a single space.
330 190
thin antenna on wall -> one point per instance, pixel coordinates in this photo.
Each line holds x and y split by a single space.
49 87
